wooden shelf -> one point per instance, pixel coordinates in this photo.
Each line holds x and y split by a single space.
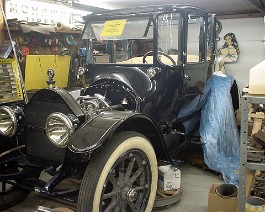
69 31
18 28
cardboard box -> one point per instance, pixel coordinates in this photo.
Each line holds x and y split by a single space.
168 177
217 203
250 178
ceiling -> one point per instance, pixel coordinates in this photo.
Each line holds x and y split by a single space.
219 7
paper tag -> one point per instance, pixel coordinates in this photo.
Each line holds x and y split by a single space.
113 28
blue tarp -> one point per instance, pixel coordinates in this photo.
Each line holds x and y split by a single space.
218 127
218 130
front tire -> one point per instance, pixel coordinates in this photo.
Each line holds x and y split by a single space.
9 194
122 177
12 197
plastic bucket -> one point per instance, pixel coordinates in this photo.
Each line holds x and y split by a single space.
256 76
226 190
255 204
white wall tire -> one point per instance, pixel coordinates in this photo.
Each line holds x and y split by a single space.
107 187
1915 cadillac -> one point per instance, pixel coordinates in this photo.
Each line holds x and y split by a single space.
156 61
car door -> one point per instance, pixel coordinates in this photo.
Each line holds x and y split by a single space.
195 61
168 50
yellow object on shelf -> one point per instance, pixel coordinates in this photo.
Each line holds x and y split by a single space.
10 82
37 66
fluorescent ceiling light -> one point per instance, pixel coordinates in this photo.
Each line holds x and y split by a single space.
98 3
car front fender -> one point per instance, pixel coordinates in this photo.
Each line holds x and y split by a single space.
100 129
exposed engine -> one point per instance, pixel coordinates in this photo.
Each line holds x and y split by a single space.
108 94
92 104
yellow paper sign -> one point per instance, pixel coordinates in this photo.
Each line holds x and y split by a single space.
113 28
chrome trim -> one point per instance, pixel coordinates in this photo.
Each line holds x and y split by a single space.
68 123
13 118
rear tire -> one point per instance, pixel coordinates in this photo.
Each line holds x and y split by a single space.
122 177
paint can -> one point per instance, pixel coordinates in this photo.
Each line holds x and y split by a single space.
255 204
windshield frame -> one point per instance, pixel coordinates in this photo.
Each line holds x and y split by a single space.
89 42
152 14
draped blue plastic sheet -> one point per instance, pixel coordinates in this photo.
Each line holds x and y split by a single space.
218 129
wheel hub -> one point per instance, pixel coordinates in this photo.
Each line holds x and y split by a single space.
127 193
131 195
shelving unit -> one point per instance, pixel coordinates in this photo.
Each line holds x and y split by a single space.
10 82
44 41
18 28
244 165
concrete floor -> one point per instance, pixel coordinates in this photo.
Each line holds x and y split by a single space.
195 185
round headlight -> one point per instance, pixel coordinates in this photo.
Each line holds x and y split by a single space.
8 121
58 128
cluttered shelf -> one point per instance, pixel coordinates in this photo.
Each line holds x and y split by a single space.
66 31
69 31
42 39
251 158
57 27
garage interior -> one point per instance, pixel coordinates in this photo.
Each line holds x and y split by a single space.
106 81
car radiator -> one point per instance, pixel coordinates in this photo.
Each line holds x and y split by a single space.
37 142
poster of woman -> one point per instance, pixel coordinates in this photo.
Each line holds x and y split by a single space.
228 53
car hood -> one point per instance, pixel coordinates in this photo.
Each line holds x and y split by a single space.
134 78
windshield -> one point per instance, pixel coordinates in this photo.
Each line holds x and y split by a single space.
119 41
131 40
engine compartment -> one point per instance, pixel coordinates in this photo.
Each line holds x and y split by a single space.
109 94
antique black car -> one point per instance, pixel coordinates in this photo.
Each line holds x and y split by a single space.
110 136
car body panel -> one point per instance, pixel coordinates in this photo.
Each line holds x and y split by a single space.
101 128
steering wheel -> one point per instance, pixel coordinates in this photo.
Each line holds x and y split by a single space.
160 53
